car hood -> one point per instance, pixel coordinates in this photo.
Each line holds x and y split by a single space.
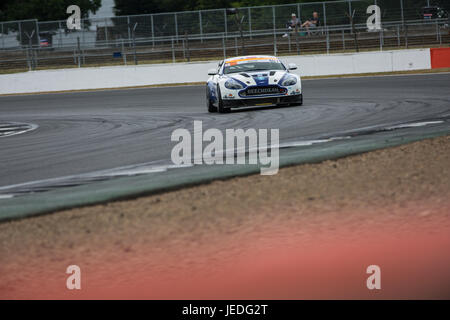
258 78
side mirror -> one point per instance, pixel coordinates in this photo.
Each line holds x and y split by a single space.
212 72
292 66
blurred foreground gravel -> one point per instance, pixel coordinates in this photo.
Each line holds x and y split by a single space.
394 189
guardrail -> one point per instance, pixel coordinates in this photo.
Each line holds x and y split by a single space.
338 38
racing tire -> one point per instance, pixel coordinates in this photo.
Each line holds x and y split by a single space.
298 104
209 105
221 108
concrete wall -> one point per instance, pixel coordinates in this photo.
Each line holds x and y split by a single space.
125 76
366 62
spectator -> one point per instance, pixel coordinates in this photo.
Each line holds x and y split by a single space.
314 22
292 24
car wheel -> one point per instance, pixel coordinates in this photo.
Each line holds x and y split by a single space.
209 105
298 104
221 108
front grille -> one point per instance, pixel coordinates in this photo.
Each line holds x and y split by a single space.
255 101
266 90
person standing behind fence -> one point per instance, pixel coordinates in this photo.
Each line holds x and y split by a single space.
292 24
313 23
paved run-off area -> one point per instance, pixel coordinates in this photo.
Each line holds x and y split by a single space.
308 232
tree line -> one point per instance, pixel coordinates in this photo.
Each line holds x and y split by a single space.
49 10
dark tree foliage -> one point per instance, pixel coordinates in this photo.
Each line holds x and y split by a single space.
128 7
43 10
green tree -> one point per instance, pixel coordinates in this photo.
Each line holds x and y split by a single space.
44 10
129 7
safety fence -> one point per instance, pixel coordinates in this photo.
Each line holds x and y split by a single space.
210 34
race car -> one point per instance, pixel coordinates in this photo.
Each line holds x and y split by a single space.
252 81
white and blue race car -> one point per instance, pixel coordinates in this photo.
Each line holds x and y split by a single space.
252 81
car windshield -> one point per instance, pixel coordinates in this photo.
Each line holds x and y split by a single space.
250 66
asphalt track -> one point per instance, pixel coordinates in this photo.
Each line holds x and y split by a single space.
83 132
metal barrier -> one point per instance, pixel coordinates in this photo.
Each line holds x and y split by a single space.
184 36
204 22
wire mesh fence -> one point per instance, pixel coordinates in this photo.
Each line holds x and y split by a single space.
196 35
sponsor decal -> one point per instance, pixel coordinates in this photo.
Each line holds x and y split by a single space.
247 59
253 91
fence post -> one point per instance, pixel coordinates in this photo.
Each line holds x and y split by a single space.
328 40
406 36
79 52
437 31
20 33
3 36
124 55
324 15
398 36
184 49
30 50
153 31
236 46
129 30
38 38
187 46
381 39
201 25
28 59
134 43
224 46
176 24
289 42
353 29
173 51
299 16
250 22
82 31
350 13
225 21
106 31
82 54
273 19
402 12
60 33
343 40
35 58
274 43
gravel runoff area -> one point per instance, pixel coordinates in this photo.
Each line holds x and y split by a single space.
253 237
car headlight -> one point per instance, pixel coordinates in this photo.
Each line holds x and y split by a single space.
289 81
233 84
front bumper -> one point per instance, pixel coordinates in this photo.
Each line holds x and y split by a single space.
250 102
